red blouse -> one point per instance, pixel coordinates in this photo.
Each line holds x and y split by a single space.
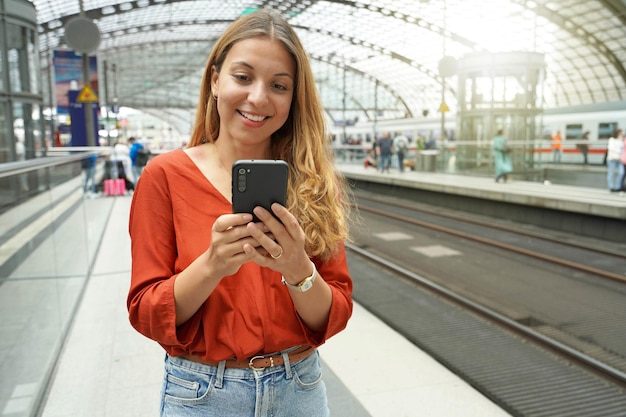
173 209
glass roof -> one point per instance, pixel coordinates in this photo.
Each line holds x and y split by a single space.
371 58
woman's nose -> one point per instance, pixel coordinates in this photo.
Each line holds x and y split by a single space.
258 94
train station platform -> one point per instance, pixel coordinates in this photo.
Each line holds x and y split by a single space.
106 369
588 211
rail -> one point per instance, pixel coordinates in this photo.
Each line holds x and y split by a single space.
521 370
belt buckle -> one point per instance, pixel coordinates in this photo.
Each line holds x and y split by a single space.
262 368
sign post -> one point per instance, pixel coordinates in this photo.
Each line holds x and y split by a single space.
82 104
83 35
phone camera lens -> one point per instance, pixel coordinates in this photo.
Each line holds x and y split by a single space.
241 180
242 171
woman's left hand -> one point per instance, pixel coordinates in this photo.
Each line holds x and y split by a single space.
285 241
285 252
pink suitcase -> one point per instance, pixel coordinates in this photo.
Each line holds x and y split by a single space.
120 187
109 187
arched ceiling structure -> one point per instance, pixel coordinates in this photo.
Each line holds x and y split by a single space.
370 57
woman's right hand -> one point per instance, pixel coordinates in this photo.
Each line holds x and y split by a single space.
229 234
224 257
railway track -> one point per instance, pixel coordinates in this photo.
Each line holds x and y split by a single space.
617 255
522 370
563 294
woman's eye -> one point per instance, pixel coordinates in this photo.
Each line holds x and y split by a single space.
241 77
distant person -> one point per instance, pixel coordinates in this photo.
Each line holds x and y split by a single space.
334 141
557 147
139 157
501 157
121 153
401 147
584 146
420 142
614 166
370 159
89 168
20 155
241 307
57 139
385 145
376 150
431 143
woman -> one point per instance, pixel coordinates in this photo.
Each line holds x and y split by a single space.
239 306
615 168
557 147
583 147
501 157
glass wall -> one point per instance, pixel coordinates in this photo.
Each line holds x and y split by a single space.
7 148
48 241
22 59
21 127
500 91
48 231
3 54
27 128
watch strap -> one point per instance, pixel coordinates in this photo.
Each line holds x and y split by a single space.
305 284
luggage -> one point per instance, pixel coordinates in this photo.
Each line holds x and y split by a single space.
114 187
120 186
109 186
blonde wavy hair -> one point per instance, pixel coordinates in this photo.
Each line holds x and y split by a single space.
317 193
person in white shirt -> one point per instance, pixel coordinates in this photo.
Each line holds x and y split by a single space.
121 152
401 147
20 155
615 168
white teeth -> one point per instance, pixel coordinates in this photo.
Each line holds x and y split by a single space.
252 117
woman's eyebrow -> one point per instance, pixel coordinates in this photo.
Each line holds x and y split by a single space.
247 65
244 63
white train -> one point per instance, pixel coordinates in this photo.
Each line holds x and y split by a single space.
600 121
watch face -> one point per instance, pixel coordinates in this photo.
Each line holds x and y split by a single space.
306 285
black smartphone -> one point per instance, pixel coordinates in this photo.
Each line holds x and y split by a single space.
258 182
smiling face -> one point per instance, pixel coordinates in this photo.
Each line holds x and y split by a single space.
254 90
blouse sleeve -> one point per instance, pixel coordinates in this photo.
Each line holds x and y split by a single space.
150 302
335 273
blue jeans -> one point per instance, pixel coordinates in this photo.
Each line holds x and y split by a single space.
385 162
614 174
191 389
90 179
137 171
400 161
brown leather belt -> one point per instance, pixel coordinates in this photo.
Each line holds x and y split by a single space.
260 362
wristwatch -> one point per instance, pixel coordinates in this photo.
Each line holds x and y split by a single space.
305 284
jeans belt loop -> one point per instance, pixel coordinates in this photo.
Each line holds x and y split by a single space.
287 364
219 381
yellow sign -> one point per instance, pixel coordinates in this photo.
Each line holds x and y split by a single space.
87 95
444 107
